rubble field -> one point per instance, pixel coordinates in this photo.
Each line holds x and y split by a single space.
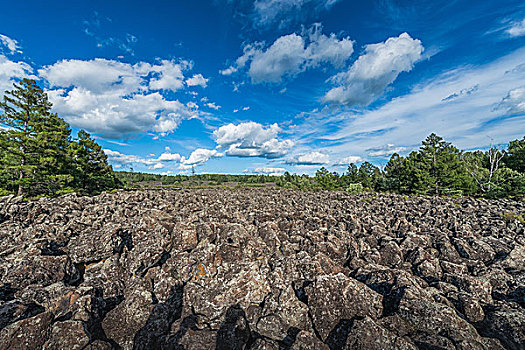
261 269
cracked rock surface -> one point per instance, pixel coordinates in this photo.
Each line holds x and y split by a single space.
260 269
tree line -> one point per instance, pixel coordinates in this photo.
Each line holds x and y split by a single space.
39 157
436 168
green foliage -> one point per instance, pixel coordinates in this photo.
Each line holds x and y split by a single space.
355 188
511 216
326 180
36 152
515 157
89 165
34 144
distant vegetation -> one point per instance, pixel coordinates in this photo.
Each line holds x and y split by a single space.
437 168
39 157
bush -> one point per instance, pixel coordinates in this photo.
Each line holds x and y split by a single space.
355 188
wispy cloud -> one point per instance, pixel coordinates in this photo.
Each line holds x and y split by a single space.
10 44
494 108
516 28
312 158
96 27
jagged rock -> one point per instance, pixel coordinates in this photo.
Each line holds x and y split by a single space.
366 334
67 335
333 298
30 333
260 269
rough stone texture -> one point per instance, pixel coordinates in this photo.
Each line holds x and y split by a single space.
260 269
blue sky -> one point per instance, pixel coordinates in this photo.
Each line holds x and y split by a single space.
264 86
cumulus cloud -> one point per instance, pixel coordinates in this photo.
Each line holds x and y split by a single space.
312 158
373 71
251 139
169 157
266 171
170 75
10 71
292 54
349 160
516 28
197 80
199 157
285 12
514 102
10 44
113 99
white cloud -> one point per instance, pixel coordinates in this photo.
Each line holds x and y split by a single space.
118 158
349 160
251 140
284 12
197 80
514 102
169 157
10 44
387 150
266 171
312 158
112 98
292 54
97 76
462 92
199 157
246 108
228 71
170 75
373 71
284 57
212 105
516 29
469 121
10 71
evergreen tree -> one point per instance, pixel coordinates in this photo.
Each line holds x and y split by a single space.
367 175
515 158
35 142
439 168
90 169
353 173
401 173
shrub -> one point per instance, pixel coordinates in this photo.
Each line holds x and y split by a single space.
355 188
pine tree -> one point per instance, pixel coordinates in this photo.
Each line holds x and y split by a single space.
35 142
90 167
439 167
515 158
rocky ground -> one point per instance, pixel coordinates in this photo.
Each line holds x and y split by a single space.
260 269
